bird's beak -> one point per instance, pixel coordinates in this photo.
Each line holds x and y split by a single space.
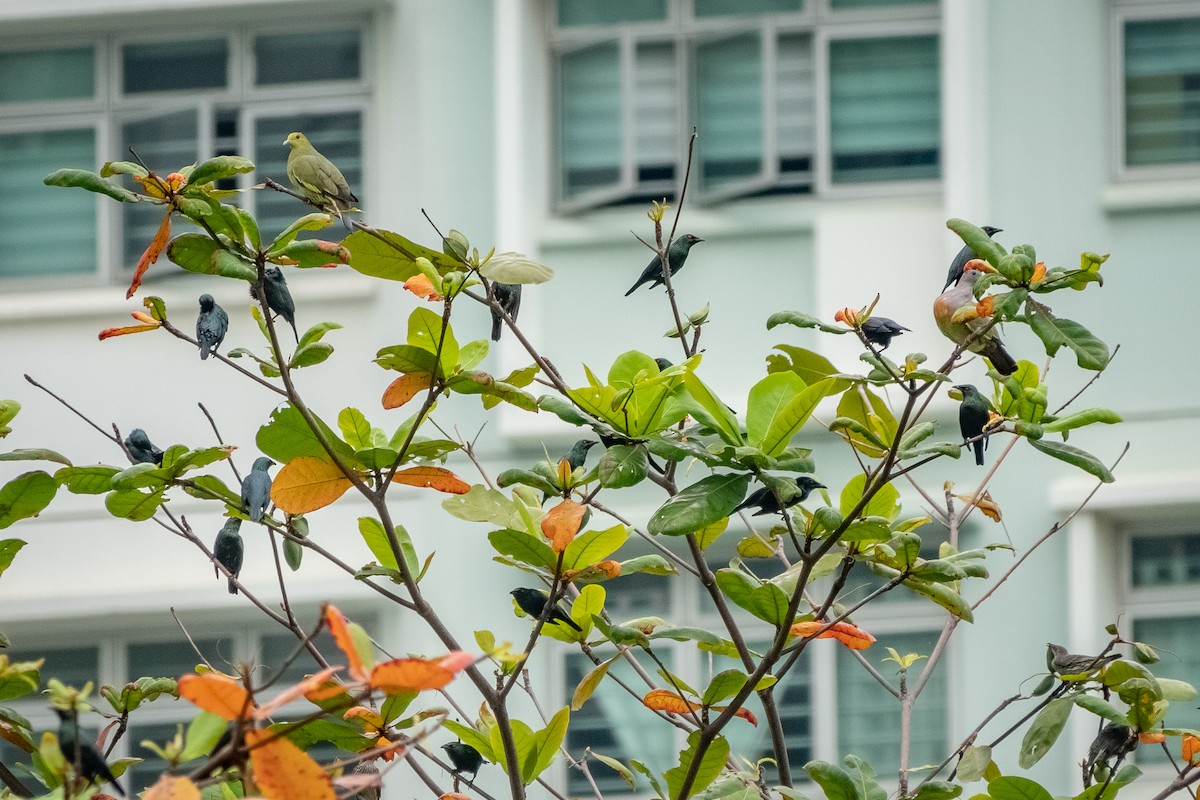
820 486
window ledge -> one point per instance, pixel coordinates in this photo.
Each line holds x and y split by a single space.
1151 195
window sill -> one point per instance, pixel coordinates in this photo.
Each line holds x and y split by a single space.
1151 195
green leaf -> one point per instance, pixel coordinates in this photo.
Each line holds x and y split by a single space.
884 503
545 745
209 487
709 409
482 504
685 633
287 437
789 419
834 781
308 355
974 761
710 766
1075 457
562 409
394 259
1013 787
651 565
1080 419
868 410
203 733
8 551
311 253
217 168
515 268
133 504
525 477
1044 731
801 320
810 366
35 454
590 547
1176 691
376 538
622 465
524 548
1090 352
622 770
723 686
355 429
939 790
764 600
977 239
587 687
25 496
699 505
86 179
406 358
522 736
309 222
1101 708
866 787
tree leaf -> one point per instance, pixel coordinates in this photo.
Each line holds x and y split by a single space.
1075 457
218 694
437 478
218 167
977 239
973 762
482 504
515 268
834 781
791 418
26 496
622 465
524 548
355 428
545 745
306 484
1014 787
561 523
1044 731
590 547
34 454
587 687
8 551
287 437
394 258
1080 419
699 505
1090 352
285 772
86 179
373 534
764 600
884 503
402 675
801 320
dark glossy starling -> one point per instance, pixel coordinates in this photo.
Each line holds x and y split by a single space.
965 255
82 755
663 364
211 325
764 499
228 550
256 489
677 253
279 299
1112 744
532 602
141 449
578 453
508 295
973 415
464 758
1064 663
880 330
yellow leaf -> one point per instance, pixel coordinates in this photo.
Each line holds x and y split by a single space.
306 484
1191 748
985 504
666 700
172 787
285 772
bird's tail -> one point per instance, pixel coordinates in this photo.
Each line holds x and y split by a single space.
1002 361
296 333
232 587
497 326
633 288
203 352
979 451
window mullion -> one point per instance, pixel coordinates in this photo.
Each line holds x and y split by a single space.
628 64
822 159
770 90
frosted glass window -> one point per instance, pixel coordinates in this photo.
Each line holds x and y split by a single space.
1162 91
719 8
589 119
33 75
729 101
176 65
609 12
304 57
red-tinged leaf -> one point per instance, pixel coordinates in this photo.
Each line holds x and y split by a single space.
157 245
668 701
742 712
405 388
218 694
1191 748
285 772
432 478
985 503
172 787
409 675
457 660
853 637
422 287
142 316
454 796
601 570
108 333
1151 737
301 689
561 523
339 629
306 484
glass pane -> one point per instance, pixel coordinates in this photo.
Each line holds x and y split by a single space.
197 64
841 5
885 109
589 113
603 725
717 8
1162 91
656 116
51 228
171 659
1164 560
337 136
276 648
637 595
304 57
47 75
1176 641
608 12
869 716
794 104
165 144
74 666
729 109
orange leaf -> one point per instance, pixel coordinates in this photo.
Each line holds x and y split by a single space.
561 523
218 694
432 478
978 264
326 691
1147 737
285 772
1039 273
422 287
171 787
454 796
108 333
846 315
457 660
849 635
742 712
984 307
1191 747
306 484
409 675
603 570
369 716
142 316
340 631
666 700
301 689
157 245
985 504
405 388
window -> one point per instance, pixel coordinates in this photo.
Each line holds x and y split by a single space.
173 102
1160 90
789 96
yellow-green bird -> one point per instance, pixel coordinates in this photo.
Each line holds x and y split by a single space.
316 177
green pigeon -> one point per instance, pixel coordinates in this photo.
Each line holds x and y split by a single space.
958 300
677 253
316 177
974 412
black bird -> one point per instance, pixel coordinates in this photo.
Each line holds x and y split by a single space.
508 295
578 453
965 255
764 498
279 299
677 253
228 550
880 330
141 449
533 602
663 364
464 758
974 412
1064 663
1115 741
82 755
256 489
211 325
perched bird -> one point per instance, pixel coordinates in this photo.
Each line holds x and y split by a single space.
82 755
371 771
1114 741
880 330
965 255
256 489
464 758
988 344
141 449
677 253
1064 663
973 414
279 299
316 177
533 602
211 325
577 455
663 363
228 550
764 499
508 295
